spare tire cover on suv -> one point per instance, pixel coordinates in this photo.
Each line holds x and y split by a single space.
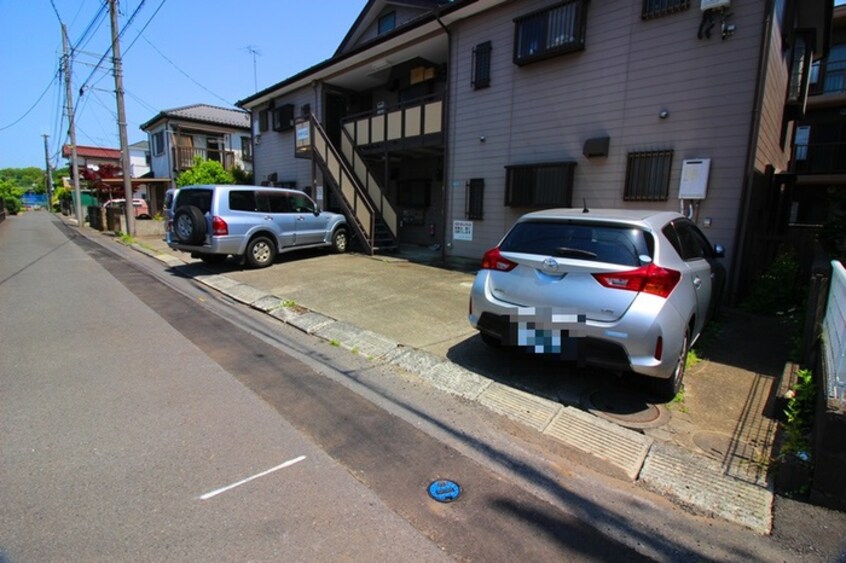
189 225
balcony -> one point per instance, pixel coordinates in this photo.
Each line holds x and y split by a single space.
829 84
820 158
412 125
183 157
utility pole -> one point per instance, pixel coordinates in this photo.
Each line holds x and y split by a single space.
49 175
124 145
72 129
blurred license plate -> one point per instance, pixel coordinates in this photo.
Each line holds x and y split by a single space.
541 340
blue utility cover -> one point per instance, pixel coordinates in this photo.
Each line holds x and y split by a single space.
444 490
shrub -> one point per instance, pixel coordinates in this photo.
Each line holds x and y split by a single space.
13 205
204 172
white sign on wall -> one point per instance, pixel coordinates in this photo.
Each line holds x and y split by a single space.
462 230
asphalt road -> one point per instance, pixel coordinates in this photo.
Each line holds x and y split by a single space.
143 417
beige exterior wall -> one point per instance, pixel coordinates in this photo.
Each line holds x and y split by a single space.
629 71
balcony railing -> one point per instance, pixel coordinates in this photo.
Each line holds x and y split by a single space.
415 119
183 157
831 78
820 158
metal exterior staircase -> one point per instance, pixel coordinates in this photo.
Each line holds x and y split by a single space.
369 213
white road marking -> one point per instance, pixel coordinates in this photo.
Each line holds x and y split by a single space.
248 479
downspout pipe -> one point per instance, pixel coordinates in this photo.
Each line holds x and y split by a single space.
751 153
445 192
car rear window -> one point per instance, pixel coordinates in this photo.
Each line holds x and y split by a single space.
198 198
615 244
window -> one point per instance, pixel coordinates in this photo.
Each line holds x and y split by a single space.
387 22
263 119
481 66
475 204
688 241
539 185
242 200
246 149
158 143
800 72
658 8
648 176
283 117
550 32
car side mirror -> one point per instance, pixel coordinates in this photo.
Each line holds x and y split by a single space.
719 251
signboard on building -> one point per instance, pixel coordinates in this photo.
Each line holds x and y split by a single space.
302 145
462 230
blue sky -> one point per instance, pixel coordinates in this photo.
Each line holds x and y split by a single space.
207 41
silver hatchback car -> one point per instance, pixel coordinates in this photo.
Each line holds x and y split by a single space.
619 289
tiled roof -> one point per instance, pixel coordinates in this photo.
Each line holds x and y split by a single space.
206 114
92 152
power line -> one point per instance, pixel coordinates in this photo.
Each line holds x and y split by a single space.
55 11
145 27
91 29
27 112
227 102
109 50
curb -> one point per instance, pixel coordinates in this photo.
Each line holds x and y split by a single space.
691 480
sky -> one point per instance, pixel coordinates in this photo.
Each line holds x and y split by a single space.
175 53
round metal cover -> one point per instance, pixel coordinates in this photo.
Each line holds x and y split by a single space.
626 407
444 490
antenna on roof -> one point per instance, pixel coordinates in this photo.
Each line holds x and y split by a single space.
254 51
584 206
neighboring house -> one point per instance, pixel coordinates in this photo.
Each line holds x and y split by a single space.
139 159
441 122
178 135
93 158
101 170
818 166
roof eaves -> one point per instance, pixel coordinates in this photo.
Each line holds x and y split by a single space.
410 26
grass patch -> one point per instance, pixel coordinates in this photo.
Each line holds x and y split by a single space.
125 238
678 402
335 342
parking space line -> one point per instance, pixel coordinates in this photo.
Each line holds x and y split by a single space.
288 463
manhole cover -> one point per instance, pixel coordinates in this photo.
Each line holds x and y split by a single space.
626 407
443 490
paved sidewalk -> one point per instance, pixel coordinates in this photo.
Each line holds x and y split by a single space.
705 451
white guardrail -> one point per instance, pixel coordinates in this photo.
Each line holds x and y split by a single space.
834 333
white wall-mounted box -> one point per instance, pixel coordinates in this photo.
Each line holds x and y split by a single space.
694 178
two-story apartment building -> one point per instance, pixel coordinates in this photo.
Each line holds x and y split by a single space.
177 136
818 189
440 123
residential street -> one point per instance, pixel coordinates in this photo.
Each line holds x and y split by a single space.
145 416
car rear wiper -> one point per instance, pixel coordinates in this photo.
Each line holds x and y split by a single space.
567 252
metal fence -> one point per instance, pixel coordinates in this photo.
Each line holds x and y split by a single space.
834 334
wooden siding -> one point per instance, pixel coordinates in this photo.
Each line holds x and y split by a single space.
629 71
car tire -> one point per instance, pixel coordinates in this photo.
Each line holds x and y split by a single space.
667 389
261 252
213 258
340 240
189 225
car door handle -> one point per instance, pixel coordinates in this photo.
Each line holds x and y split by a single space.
300 218
268 218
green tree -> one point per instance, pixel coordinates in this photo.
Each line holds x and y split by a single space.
204 172
11 195
26 179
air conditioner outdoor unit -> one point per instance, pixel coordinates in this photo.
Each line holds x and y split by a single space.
712 4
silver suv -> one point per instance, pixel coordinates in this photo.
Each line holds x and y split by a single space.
623 290
212 222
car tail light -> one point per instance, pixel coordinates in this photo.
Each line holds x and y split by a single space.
659 348
649 279
493 260
219 226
